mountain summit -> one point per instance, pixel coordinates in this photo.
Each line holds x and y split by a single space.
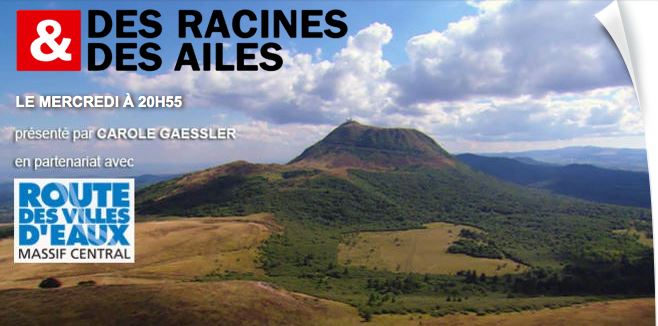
353 145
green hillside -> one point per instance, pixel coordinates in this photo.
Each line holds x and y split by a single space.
583 181
395 179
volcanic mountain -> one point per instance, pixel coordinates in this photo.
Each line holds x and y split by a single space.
367 178
349 147
353 145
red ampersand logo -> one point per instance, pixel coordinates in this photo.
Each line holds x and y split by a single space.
48 40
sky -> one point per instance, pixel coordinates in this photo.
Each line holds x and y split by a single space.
477 76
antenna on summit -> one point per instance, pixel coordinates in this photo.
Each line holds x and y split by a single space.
349 116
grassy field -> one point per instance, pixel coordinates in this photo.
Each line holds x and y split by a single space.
637 312
258 303
418 251
173 249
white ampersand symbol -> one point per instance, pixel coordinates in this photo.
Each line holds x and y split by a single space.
59 49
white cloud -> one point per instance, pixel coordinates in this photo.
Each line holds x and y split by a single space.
287 135
598 113
511 49
489 6
7 133
304 90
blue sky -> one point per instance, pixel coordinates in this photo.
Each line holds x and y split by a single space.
477 76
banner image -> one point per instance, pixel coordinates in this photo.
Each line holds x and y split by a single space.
479 162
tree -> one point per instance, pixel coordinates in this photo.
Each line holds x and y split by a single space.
50 283
366 315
